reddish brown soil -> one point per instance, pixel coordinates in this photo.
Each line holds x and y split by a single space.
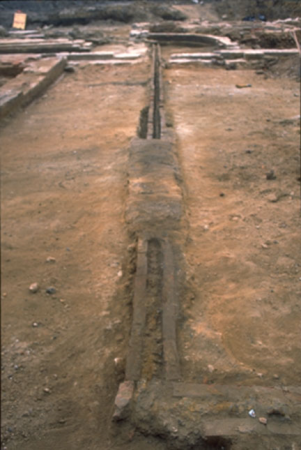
64 184
64 187
243 251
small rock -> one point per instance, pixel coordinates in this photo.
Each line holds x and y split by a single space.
210 368
69 69
271 175
35 324
119 367
123 400
273 198
51 259
50 290
119 273
249 151
47 390
264 246
34 287
252 413
222 194
263 420
242 86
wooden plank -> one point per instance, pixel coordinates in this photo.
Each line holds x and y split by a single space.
169 314
135 351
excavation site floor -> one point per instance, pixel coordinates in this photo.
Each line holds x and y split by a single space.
151 269
64 184
243 252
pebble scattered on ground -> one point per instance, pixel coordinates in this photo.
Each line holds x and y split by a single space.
50 290
263 420
34 287
271 175
51 259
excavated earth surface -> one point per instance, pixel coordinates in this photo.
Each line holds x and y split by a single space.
243 250
78 189
64 184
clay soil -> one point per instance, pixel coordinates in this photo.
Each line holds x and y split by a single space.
64 188
64 184
242 312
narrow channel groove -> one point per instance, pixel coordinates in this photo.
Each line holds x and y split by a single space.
157 97
170 312
153 348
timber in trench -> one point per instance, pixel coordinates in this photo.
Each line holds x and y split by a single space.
154 211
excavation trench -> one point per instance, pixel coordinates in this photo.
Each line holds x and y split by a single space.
157 97
154 397
153 213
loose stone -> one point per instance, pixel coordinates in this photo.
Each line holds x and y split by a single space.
51 259
271 175
263 420
50 290
34 287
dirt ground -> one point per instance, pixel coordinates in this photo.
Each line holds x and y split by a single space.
243 250
63 193
64 183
